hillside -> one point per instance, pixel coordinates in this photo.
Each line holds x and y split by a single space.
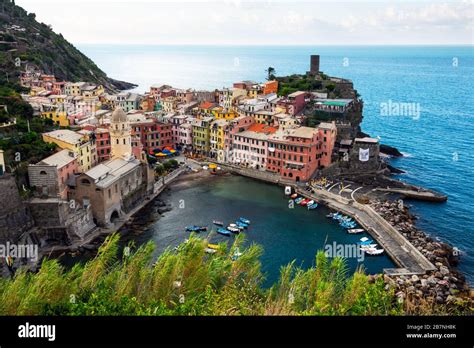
23 40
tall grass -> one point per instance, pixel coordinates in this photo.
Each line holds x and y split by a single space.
188 281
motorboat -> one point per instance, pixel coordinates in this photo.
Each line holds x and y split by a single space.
368 246
312 206
195 228
298 200
217 223
210 251
294 196
213 246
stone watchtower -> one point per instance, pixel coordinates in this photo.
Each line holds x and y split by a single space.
314 65
120 135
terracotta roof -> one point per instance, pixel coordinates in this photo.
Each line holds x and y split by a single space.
262 128
206 105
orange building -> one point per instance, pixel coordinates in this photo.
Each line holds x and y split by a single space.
270 87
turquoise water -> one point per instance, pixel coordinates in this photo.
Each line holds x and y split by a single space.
439 145
285 234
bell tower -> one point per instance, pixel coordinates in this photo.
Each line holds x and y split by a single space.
120 135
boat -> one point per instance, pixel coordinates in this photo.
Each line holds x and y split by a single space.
241 224
330 215
294 196
304 202
217 223
210 251
366 242
310 202
244 220
223 231
364 239
312 206
213 246
368 246
374 251
355 230
298 200
233 229
195 228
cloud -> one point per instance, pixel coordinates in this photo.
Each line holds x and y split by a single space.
257 22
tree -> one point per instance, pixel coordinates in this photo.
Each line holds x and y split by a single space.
270 73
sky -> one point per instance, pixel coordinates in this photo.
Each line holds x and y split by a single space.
258 22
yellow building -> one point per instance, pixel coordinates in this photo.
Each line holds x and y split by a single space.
78 143
217 139
223 114
58 117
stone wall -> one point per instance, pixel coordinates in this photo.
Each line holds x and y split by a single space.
15 217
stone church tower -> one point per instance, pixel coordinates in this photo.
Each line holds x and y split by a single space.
120 135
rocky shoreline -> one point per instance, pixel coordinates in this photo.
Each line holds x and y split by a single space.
444 286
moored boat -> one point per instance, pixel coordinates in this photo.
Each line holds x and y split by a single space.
244 220
304 201
355 230
217 223
241 224
374 251
298 200
223 231
213 246
233 229
294 196
195 228
312 206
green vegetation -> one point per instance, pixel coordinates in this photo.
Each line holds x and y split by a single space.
39 45
190 282
22 143
293 83
270 73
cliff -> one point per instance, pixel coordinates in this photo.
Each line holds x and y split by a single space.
25 41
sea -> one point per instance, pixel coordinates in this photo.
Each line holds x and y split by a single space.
416 98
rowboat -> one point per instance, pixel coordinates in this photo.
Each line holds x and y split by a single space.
294 195
210 251
223 231
233 229
304 201
195 228
310 202
244 220
312 206
298 200
217 223
241 224
364 239
366 243
355 230
213 246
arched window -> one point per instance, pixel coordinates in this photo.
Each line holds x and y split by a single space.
118 142
42 172
85 182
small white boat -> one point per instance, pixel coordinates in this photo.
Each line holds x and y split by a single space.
374 251
368 246
210 251
233 229
364 239
355 230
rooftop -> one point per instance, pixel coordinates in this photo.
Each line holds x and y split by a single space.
108 172
65 135
59 159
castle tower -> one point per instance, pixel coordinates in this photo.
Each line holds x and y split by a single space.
120 135
314 67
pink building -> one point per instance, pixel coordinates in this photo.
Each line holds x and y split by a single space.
250 147
238 124
102 142
296 153
185 136
49 177
294 103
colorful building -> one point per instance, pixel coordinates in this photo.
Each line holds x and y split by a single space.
217 138
201 135
270 87
49 177
80 144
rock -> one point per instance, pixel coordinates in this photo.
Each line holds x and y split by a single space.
424 283
414 278
439 299
444 270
